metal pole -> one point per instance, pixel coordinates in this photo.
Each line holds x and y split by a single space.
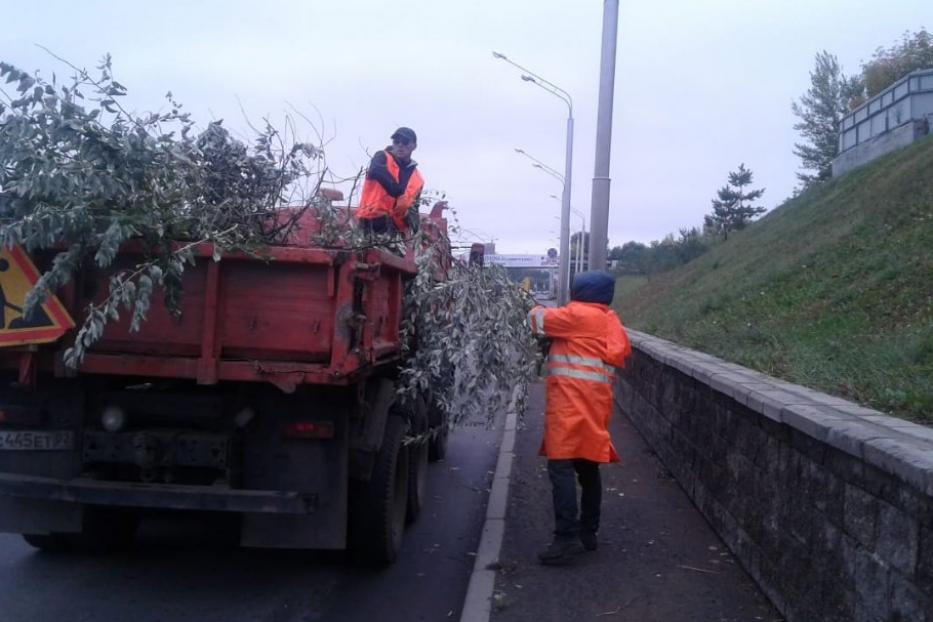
583 248
564 267
578 252
599 212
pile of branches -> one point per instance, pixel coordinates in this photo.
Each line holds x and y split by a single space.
81 174
469 341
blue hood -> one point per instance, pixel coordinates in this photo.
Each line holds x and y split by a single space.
593 286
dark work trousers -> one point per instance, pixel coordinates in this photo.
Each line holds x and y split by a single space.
382 224
568 522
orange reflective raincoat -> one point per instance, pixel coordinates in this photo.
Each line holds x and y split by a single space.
588 344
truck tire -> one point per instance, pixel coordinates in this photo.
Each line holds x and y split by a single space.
418 457
48 542
437 419
437 447
379 505
103 531
417 478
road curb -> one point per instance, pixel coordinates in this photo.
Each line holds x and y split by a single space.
477 606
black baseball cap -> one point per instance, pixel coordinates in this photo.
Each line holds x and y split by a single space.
405 133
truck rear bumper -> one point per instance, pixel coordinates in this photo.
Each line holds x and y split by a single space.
163 496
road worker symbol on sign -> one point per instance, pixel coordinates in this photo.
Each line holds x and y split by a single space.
45 323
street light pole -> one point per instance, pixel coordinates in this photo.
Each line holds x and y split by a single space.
564 298
599 214
581 245
539 164
563 294
579 255
578 266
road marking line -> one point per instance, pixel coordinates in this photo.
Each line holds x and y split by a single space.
477 606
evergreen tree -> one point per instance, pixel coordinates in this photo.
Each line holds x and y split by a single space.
733 208
820 110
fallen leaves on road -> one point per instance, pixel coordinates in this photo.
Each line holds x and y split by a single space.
698 569
610 613
618 609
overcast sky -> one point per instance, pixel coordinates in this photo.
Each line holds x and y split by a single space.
700 87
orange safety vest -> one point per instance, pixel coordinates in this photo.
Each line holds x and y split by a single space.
588 345
376 202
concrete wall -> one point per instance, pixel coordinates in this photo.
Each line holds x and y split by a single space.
885 143
828 505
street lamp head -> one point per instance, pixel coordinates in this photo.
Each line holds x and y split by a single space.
528 78
536 165
517 150
498 55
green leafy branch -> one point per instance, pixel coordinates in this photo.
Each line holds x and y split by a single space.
467 336
80 176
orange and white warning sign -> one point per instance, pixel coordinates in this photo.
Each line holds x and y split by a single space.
45 323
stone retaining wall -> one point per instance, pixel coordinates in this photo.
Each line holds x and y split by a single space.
893 140
828 505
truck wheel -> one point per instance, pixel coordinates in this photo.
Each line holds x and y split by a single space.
437 446
417 478
103 531
49 542
378 515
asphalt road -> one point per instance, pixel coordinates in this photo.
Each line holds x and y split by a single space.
182 569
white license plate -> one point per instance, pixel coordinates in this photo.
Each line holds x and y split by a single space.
36 440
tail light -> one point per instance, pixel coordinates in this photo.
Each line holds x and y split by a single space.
309 430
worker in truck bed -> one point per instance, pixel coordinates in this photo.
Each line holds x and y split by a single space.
389 202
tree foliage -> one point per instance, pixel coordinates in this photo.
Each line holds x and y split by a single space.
819 111
468 337
80 175
662 255
733 209
888 65
832 94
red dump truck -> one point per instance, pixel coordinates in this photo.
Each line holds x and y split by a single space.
271 397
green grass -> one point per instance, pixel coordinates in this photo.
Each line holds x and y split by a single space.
833 290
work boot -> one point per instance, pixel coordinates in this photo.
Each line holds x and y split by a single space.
588 538
559 552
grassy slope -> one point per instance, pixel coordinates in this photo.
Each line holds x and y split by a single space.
833 290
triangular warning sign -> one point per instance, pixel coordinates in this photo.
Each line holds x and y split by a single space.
46 323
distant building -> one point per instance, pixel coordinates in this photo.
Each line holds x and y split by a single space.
539 272
893 119
521 261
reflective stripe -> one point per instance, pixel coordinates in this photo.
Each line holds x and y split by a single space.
581 360
580 375
538 316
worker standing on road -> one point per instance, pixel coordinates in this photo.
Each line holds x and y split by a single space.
588 343
389 202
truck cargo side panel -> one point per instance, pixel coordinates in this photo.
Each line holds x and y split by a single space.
161 332
383 310
279 312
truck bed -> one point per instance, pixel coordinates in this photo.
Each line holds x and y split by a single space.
298 314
